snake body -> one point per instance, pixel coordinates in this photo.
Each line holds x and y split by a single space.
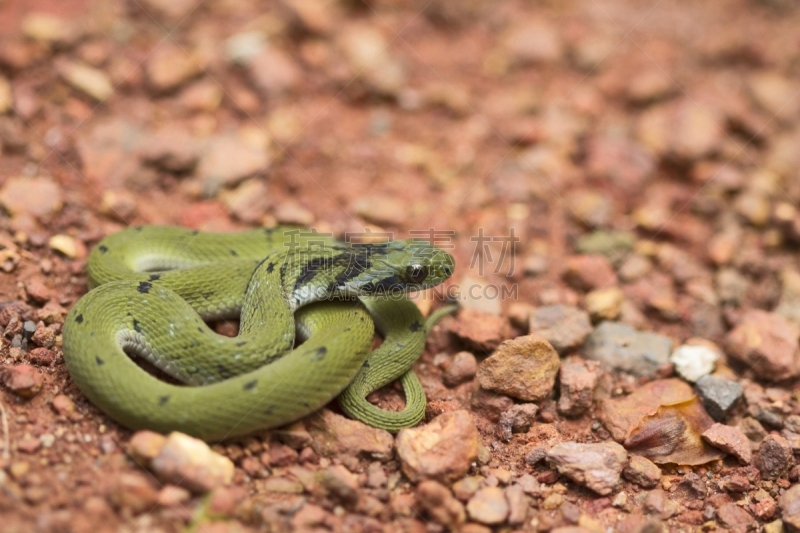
153 288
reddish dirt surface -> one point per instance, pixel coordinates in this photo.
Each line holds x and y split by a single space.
674 126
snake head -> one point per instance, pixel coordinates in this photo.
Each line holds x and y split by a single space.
398 267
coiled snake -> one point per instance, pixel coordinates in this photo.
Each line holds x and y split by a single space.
153 288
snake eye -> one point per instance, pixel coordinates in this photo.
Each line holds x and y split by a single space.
416 273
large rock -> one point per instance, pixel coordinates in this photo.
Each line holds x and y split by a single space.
595 466
334 435
37 196
190 463
524 368
623 348
767 343
443 449
790 508
577 381
564 326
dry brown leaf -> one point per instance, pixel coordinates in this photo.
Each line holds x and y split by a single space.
674 435
621 415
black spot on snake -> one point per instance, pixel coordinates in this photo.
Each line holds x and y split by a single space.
250 384
138 228
144 287
102 248
233 253
415 326
155 277
306 404
136 326
269 410
79 319
162 400
99 361
195 232
366 364
199 329
320 354
241 343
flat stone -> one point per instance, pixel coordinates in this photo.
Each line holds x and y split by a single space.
517 419
589 272
766 343
693 361
134 493
605 304
789 504
6 97
108 154
524 368
775 457
314 16
38 196
488 506
731 440
443 449
190 463
339 483
171 149
461 369
88 80
382 210
174 11
596 466
577 381
169 67
517 504
481 331
719 396
334 435
23 380
563 326
227 161
145 445
621 347
642 471
273 72
366 51
241 48
735 517
438 503
533 41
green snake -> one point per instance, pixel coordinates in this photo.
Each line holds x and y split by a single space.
154 287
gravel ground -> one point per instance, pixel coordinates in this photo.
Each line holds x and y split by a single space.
618 181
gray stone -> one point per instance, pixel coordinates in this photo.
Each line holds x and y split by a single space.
719 396
623 348
563 326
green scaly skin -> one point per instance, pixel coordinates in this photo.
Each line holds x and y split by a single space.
153 288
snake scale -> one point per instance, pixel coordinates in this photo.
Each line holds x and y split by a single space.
154 287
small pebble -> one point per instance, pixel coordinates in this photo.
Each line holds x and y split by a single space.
488 506
443 449
719 396
461 369
563 326
595 466
23 380
642 471
190 463
693 361
524 368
